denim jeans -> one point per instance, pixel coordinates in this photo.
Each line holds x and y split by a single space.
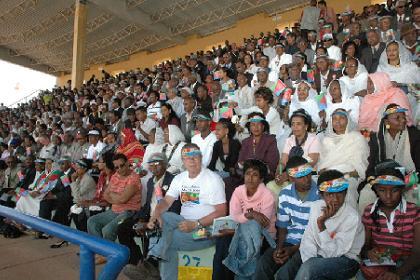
268 269
105 224
328 268
172 241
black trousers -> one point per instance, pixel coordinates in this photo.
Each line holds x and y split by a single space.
80 220
220 271
61 207
126 234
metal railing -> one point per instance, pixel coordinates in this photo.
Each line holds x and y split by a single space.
25 99
116 254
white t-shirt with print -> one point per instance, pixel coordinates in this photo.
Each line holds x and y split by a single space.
198 195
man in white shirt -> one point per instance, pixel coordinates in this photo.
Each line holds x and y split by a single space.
334 52
95 147
203 199
206 139
335 234
275 63
47 149
144 125
270 50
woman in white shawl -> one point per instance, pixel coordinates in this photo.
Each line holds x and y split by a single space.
174 141
304 98
396 62
337 97
344 148
354 77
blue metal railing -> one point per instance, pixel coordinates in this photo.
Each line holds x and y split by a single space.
117 255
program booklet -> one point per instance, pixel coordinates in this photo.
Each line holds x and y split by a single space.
223 223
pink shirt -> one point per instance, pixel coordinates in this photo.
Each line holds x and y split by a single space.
262 201
117 184
311 145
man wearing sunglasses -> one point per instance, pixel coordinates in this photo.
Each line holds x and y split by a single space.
203 199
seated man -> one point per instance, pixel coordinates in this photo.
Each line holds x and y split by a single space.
157 186
124 194
295 202
203 199
335 234
392 226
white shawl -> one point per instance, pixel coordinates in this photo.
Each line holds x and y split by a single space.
310 104
346 152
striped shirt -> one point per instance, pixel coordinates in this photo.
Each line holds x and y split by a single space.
293 213
398 231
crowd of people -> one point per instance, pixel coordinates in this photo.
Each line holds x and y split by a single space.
307 139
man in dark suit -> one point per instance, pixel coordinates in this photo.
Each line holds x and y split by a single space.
59 198
371 54
187 120
324 74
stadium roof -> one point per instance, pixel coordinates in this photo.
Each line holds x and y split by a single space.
39 33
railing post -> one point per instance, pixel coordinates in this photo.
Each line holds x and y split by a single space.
87 264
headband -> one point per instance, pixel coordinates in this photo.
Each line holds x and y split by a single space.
191 152
334 186
300 171
388 180
256 119
393 110
341 113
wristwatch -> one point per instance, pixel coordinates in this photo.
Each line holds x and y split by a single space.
199 225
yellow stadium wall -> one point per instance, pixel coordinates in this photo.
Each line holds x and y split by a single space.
243 28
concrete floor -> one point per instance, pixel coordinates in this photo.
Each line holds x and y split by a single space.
25 258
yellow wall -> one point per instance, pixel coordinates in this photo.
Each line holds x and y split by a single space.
244 28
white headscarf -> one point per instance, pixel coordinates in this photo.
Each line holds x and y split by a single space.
344 152
173 149
358 82
309 104
349 103
407 73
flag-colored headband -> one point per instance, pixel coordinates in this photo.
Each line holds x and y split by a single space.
300 171
388 180
393 110
334 186
191 152
341 113
256 119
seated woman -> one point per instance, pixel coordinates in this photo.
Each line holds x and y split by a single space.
260 144
225 150
338 97
98 203
168 116
227 83
334 235
354 77
304 98
83 188
174 140
396 62
397 141
252 206
392 228
302 142
380 93
344 148
264 104
130 147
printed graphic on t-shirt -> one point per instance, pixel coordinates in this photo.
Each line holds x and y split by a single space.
190 195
